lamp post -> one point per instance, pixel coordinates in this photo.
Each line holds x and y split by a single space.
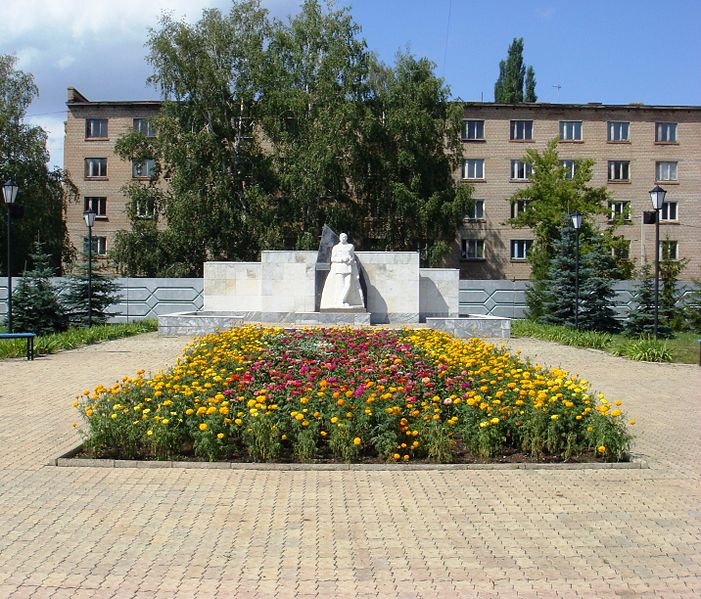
89 216
657 195
577 224
9 192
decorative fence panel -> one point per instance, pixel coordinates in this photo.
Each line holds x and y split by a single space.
142 298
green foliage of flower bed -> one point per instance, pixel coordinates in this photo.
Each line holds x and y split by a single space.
350 395
73 338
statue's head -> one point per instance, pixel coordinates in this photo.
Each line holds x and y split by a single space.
343 237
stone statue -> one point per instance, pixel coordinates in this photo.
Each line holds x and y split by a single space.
342 287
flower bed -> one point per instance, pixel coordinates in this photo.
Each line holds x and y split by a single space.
266 394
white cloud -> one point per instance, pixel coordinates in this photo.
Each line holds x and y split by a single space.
65 61
27 57
53 125
88 18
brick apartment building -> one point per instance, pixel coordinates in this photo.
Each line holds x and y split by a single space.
634 147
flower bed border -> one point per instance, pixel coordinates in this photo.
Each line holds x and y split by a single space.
68 459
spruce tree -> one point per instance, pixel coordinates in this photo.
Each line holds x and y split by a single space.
596 312
670 313
104 292
641 318
36 306
559 293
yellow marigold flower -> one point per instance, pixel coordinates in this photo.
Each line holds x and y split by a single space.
494 420
323 433
334 420
211 410
149 433
631 422
113 416
617 402
165 421
283 437
405 457
299 417
615 413
396 456
189 411
220 435
554 417
601 449
356 441
203 426
88 412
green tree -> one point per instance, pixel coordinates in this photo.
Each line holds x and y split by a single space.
43 193
36 305
405 161
670 312
314 94
77 301
515 83
271 129
596 292
215 202
559 295
641 317
553 194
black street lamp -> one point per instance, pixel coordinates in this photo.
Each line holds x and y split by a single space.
577 224
9 192
657 195
89 216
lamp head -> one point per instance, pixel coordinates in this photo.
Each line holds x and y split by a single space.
657 195
89 216
9 191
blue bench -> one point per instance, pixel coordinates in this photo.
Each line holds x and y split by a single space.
28 336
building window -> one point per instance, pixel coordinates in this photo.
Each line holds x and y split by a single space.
97 204
145 127
521 130
95 167
473 130
518 207
476 211
143 209
472 249
95 128
619 131
570 130
619 170
144 169
473 169
570 167
621 250
666 171
620 211
669 212
520 171
669 250
99 245
520 248
665 133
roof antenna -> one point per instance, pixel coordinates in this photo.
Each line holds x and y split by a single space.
557 87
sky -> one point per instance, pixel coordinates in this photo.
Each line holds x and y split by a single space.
610 51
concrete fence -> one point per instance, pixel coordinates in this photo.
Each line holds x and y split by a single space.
142 298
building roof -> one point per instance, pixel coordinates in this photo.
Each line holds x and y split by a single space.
589 106
75 98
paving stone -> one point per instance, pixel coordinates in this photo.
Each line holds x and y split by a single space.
232 532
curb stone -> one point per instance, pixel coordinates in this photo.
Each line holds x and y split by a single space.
68 459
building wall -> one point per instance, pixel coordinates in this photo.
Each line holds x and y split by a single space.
77 147
496 187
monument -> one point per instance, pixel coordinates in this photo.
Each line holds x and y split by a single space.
342 290
335 286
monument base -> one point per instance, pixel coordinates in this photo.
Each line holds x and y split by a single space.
203 322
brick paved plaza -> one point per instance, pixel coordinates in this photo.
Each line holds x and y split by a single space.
162 533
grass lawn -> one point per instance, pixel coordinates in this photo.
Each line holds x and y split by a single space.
682 349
